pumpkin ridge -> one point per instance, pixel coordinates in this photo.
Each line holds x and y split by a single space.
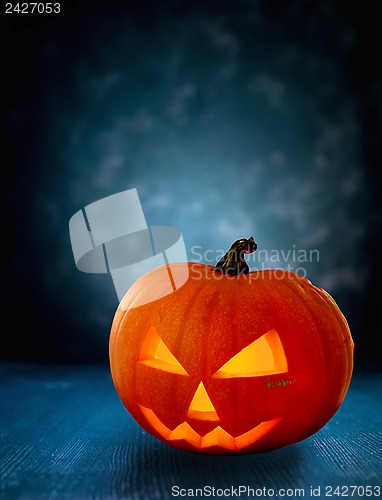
314 295
234 327
182 339
342 325
211 308
291 286
305 301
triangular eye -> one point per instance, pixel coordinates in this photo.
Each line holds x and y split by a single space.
155 353
265 356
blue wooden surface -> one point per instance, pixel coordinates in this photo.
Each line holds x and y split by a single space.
65 435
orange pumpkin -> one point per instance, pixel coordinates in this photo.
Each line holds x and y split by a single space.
230 364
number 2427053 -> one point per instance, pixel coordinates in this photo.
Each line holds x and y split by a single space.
32 8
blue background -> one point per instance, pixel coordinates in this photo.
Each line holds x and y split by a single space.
230 118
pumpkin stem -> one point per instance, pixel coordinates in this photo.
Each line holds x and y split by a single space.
233 262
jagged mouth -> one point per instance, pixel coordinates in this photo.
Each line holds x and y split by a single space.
218 437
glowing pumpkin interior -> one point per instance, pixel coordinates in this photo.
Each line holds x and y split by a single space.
263 357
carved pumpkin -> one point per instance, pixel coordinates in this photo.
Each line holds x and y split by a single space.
230 364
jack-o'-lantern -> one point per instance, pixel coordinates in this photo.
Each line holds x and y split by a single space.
232 361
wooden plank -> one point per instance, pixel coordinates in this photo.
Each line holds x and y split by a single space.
64 434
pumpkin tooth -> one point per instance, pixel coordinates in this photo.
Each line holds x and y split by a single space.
185 432
217 437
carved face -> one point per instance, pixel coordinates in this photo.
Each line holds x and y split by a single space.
202 426
231 366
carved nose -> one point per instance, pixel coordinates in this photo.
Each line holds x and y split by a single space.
201 407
